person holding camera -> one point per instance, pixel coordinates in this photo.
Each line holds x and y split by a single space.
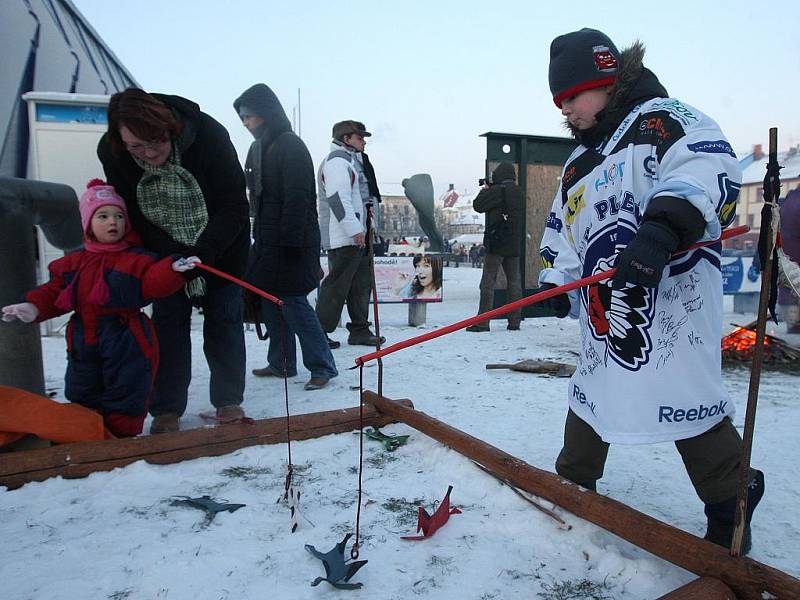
501 200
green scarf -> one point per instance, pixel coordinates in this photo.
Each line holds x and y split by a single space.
170 198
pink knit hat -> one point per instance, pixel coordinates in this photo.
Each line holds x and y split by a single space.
98 193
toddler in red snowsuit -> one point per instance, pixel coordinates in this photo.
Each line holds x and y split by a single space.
112 350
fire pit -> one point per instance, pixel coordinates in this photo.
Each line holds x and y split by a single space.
739 344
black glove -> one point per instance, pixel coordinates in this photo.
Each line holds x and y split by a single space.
560 305
643 260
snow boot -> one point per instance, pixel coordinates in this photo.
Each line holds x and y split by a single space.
230 412
722 516
166 423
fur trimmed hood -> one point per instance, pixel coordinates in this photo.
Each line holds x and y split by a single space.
635 84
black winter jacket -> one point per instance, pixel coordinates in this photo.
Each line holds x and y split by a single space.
280 173
490 201
208 154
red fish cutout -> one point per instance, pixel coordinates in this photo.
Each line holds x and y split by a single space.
430 524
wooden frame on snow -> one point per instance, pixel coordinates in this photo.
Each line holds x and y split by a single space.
749 579
718 572
79 460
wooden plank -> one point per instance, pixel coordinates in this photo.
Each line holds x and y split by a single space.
79 460
703 588
747 578
547 367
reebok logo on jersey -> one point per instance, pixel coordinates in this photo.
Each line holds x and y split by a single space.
581 398
676 415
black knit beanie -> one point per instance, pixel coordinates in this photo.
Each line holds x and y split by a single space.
581 60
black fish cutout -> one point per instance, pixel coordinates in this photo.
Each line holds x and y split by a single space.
336 569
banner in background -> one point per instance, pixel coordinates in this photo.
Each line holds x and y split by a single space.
405 278
740 275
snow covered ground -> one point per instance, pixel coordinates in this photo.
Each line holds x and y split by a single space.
116 535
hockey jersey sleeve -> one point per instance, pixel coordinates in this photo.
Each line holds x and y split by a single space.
700 167
557 249
344 204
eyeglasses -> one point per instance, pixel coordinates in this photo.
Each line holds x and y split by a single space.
145 147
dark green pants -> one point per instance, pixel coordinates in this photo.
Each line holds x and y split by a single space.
348 281
510 266
711 458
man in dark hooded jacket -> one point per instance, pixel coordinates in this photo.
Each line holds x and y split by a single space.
285 254
502 203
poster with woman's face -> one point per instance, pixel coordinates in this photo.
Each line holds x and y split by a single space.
406 278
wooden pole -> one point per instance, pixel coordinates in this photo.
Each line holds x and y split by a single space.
755 370
703 588
79 460
748 578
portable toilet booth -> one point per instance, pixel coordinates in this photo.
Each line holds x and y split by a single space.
64 132
538 161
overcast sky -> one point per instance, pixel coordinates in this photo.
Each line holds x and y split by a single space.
427 78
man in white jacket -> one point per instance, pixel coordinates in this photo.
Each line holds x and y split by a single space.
344 197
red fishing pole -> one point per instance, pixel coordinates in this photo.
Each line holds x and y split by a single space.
241 283
544 295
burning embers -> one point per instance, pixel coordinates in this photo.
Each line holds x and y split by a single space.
739 344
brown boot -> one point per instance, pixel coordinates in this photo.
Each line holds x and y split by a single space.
479 327
166 423
316 383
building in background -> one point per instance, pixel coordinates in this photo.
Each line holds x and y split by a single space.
751 199
56 76
47 46
457 217
398 216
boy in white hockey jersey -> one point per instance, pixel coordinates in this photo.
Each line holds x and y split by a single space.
651 177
